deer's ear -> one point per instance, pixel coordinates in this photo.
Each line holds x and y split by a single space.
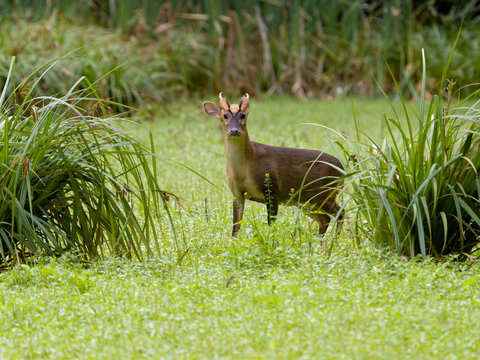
211 109
244 103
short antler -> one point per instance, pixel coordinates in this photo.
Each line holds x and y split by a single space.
244 101
223 102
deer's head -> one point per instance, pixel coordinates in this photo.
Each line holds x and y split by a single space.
233 116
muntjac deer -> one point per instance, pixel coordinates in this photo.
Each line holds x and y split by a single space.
274 175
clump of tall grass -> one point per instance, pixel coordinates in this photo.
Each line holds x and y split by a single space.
71 179
417 191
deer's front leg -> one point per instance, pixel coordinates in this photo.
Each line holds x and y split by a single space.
238 204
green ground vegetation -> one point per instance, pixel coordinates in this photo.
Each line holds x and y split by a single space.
270 294
355 304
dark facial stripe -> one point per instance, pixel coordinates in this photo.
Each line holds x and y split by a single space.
236 114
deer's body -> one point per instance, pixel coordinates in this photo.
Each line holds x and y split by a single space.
274 175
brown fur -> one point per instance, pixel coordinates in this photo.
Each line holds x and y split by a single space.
274 175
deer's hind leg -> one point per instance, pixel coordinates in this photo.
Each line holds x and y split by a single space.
323 220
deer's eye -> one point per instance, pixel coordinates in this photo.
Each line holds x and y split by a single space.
225 116
242 116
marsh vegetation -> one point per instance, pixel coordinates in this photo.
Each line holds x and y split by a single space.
115 221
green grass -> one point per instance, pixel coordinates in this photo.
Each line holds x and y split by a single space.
286 298
127 71
352 305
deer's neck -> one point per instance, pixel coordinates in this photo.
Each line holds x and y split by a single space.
238 152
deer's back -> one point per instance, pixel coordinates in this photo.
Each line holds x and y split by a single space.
292 169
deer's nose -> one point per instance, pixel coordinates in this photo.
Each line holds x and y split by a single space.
234 132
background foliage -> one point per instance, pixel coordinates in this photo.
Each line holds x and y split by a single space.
309 48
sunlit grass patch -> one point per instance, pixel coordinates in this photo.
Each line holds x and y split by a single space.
367 303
